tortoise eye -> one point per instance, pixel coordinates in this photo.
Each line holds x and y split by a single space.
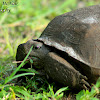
37 47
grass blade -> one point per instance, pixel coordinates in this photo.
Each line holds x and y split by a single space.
9 78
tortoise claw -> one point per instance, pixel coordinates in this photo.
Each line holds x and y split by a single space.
84 84
85 87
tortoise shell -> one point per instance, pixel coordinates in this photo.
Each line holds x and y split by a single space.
77 33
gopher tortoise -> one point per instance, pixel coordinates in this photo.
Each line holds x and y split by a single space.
68 50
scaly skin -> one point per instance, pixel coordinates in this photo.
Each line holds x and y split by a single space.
54 66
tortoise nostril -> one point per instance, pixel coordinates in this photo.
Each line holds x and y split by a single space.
21 46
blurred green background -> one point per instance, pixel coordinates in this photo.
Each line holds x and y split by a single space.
21 20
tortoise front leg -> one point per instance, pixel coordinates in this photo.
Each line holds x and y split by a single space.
63 72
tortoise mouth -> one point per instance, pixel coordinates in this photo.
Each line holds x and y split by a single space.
34 58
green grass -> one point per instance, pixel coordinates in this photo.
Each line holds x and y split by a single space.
25 21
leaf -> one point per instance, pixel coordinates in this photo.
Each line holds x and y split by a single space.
78 96
28 70
59 96
61 90
31 61
19 75
51 90
94 98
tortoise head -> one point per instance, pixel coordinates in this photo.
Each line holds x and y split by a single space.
38 52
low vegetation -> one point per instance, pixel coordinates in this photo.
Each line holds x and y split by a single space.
23 20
